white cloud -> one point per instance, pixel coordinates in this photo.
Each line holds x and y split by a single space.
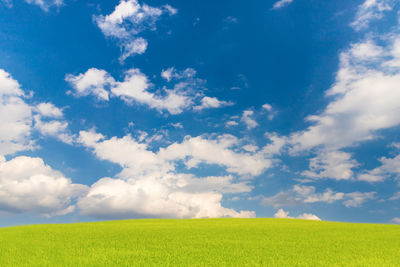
231 123
275 146
366 50
92 82
49 110
45 5
396 220
301 195
358 198
136 88
246 119
150 184
28 185
281 214
396 196
177 125
231 20
370 10
211 102
267 107
168 73
15 127
305 216
171 10
54 128
331 164
396 145
364 101
117 198
90 138
281 4
138 159
250 148
129 19
50 128
389 166
126 152
197 150
137 46
221 184
172 74
394 52
309 216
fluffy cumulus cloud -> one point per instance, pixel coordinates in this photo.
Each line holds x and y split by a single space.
28 185
196 150
138 159
281 4
367 50
152 197
15 128
136 88
275 146
53 128
364 101
305 216
301 194
371 10
248 120
49 110
154 184
24 118
92 82
128 20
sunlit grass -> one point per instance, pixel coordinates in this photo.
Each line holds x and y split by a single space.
205 242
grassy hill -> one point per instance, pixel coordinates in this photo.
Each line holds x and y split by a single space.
203 242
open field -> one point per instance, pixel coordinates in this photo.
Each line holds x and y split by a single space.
203 242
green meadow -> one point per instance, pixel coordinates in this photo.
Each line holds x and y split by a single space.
201 242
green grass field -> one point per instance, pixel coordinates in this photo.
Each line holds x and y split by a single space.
203 242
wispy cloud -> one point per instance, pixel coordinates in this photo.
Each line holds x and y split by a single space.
281 4
370 10
128 20
302 194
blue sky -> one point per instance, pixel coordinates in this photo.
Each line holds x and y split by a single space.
180 109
